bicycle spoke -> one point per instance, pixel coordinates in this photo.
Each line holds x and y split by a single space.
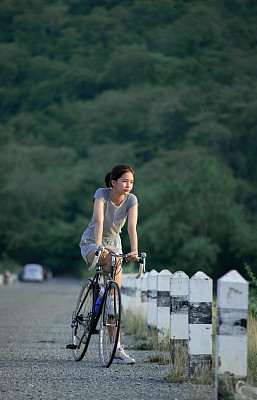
82 317
110 325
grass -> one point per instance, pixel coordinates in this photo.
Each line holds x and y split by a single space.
252 350
178 368
134 325
161 349
252 329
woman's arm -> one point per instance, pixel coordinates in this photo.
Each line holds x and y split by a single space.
99 220
132 231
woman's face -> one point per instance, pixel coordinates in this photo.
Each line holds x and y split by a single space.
124 184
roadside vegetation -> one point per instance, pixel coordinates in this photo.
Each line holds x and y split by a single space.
252 328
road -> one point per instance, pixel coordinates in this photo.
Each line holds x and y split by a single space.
35 364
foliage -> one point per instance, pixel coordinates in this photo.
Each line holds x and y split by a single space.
168 87
252 291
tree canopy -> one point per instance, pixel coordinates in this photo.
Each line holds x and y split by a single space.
169 87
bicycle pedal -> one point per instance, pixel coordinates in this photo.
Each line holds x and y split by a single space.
71 346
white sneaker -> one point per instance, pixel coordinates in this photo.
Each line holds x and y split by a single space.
121 357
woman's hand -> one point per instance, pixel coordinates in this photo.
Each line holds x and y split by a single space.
132 223
132 256
104 252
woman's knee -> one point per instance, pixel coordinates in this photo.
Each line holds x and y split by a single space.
90 257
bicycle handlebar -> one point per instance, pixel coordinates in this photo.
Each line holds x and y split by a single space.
141 260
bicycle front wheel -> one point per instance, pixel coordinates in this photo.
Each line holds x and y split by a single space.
82 317
110 324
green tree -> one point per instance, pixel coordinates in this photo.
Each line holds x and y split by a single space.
189 205
34 185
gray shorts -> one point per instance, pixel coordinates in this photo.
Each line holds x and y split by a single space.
87 245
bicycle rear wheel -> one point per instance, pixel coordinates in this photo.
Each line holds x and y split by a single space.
110 324
82 317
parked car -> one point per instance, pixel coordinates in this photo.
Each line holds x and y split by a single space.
33 273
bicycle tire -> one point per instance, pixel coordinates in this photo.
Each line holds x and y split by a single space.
81 334
110 324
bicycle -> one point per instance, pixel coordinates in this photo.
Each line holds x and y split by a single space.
87 320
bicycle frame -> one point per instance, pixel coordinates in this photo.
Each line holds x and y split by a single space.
96 290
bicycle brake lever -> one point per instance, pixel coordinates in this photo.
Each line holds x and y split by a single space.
142 265
96 258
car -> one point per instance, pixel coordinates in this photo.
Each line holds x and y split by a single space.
33 273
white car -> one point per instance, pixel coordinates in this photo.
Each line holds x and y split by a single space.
33 272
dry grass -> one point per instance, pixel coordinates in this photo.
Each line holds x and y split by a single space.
178 368
252 350
161 348
133 324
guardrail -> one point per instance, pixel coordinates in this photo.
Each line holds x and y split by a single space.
181 307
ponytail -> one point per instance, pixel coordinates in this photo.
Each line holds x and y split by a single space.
108 180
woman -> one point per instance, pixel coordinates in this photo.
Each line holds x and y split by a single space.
112 206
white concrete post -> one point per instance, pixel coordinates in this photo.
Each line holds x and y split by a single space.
179 300
200 324
133 283
231 345
163 304
144 295
138 285
129 292
152 299
124 291
133 290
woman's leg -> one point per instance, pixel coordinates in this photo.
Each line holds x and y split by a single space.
120 356
106 262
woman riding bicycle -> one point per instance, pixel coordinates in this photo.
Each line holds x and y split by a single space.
112 206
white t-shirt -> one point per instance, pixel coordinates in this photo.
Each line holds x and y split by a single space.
114 216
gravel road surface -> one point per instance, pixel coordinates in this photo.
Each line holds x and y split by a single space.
34 330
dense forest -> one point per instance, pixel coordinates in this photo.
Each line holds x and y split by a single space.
167 86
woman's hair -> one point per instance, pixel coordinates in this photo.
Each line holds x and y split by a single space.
116 173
